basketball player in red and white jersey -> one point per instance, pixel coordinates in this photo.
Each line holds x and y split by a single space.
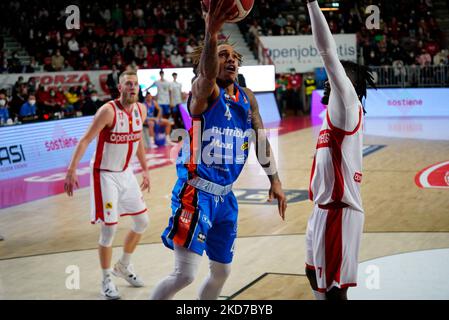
335 227
115 190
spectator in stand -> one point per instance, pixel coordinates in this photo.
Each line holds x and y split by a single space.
309 86
153 59
57 61
176 59
4 112
293 92
112 82
52 104
424 59
181 23
91 104
281 89
165 61
73 46
41 95
167 47
73 101
441 58
28 111
32 85
141 52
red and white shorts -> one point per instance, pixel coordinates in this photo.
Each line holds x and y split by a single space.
332 246
115 194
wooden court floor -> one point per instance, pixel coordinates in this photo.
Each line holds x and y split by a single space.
44 237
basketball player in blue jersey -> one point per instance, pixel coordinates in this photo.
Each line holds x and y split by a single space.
154 116
204 208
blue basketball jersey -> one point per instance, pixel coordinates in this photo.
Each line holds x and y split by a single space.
224 130
151 109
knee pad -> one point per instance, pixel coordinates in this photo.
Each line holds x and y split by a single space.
219 271
107 235
140 223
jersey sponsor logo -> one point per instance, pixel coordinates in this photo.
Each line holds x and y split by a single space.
117 137
244 146
108 205
136 114
358 177
435 176
219 144
138 122
323 139
237 132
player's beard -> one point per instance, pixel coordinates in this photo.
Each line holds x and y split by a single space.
130 99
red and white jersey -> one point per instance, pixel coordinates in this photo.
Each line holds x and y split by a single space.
337 166
116 145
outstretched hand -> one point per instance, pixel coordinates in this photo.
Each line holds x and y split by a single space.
216 16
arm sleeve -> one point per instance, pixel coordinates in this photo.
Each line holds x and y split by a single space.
325 44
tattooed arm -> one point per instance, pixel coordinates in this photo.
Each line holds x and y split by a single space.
205 87
266 156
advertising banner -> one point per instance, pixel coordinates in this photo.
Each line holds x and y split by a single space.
300 53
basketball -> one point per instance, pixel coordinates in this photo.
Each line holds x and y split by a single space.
241 8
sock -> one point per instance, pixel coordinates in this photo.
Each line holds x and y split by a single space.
125 259
319 295
107 273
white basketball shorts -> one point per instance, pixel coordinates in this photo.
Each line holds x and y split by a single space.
332 246
115 194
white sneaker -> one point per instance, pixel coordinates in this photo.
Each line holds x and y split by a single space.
152 145
109 290
127 273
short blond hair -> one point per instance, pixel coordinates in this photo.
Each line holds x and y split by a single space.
126 73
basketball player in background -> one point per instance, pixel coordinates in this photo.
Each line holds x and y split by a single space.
115 190
175 101
154 116
204 208
163 94
335 227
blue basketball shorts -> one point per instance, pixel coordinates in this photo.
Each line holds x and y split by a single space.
201 221
165 109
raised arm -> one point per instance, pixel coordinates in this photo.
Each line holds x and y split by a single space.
327 47
205 87
266 159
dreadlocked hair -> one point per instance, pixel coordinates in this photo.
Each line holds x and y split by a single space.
195 55
361 76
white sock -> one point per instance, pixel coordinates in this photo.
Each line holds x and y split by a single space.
126 258
319 295
107 273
